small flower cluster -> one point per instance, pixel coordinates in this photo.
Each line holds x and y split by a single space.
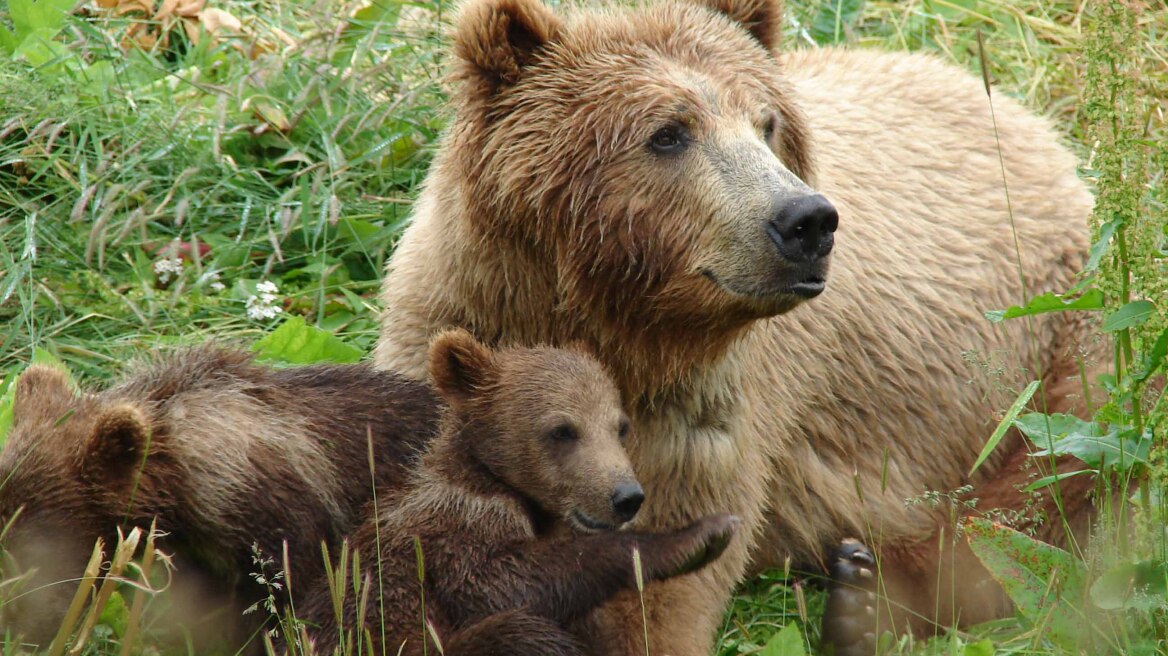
263 305
168 267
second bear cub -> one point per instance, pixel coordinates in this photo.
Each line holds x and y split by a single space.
514 507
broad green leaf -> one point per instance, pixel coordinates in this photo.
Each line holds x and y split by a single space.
1045 429
1132 314
1043 581
296 342
1141 586
1119 449
1005 424
8 40
1092 299
787 642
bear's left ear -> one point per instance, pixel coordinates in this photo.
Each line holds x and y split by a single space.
762 18
120 438
496 39
460 366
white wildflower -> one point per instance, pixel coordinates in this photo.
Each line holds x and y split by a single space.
263 305
167 267
213 282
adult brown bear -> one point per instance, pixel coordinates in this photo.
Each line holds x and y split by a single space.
659 183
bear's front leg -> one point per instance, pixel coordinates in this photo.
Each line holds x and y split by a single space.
850 623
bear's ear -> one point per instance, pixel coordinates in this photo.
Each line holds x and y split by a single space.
762 18
460 366
496 39
42 391
120 438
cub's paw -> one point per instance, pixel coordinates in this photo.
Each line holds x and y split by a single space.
693 547
714 533
849 622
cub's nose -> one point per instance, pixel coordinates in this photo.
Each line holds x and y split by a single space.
626 500
803 228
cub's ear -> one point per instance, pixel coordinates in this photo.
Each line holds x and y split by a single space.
42 393
496 39
762 18
460 366
120 438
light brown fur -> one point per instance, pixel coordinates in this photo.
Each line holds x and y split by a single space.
543 220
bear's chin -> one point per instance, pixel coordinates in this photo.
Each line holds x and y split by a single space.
771 299
585 523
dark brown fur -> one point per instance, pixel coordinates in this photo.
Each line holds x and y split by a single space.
223 452
489 505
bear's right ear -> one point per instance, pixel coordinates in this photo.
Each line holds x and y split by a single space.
763 19
460 366
496 39
120 438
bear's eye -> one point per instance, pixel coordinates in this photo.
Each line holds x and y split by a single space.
563 433
623 431
770 126
668 140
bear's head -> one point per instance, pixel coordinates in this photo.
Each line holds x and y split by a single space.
652 161
546 422
67 473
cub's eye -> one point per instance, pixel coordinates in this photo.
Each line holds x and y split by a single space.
668 140
563 433
623 431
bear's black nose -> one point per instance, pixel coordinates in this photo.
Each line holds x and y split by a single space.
626 500
803 228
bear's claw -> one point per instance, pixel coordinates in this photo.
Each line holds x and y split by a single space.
849 623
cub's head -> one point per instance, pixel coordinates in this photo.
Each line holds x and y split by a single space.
548 422
67 460
652 159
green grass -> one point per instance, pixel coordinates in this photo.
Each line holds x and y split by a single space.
298 168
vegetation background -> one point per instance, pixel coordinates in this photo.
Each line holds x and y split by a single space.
178 170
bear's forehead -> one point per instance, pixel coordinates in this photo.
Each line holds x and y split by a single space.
665 34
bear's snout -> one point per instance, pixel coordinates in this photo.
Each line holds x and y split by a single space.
804 227
627 499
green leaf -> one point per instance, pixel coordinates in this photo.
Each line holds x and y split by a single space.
1154 359
1132 314
6 407
115 614
787 642
1043 430
1092 299
1141 586
1049 480
1106 231
979 648
1118 450
1005 424
1043 581
296 342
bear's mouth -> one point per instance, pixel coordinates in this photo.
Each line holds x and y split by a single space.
587 524
809 287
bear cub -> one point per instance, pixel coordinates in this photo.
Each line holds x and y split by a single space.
515 506
228 455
